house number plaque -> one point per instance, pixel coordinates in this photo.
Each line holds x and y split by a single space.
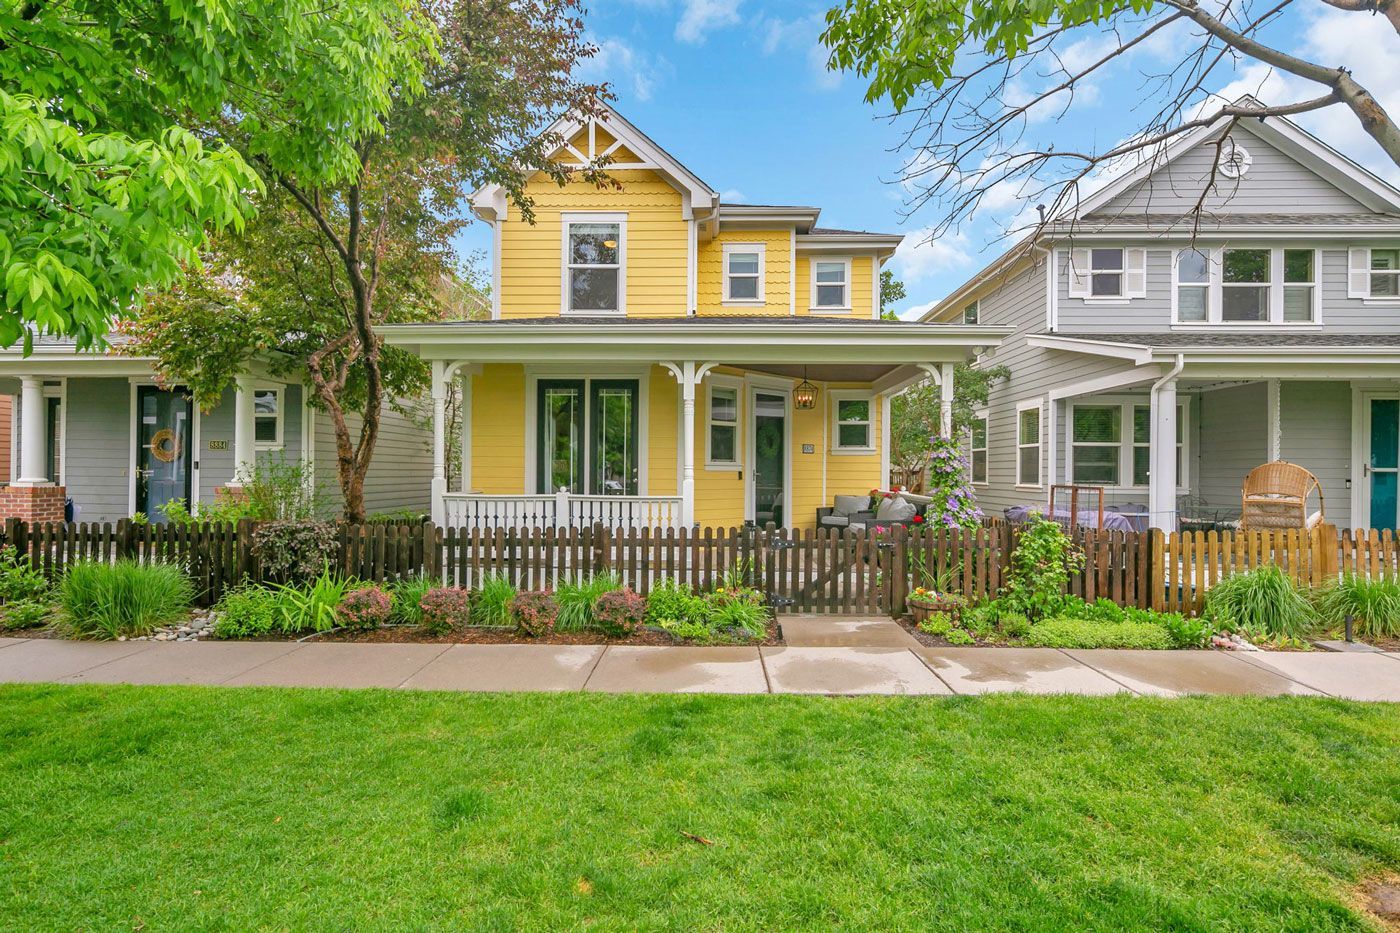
218 445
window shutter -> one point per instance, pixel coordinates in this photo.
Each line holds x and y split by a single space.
1358 272
1135 273
1079 273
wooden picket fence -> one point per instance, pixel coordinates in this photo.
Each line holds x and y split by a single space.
820 571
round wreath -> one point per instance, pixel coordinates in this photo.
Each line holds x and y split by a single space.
165 445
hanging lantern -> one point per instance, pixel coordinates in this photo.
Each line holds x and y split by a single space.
804 396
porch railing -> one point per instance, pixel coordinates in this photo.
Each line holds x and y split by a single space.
560 510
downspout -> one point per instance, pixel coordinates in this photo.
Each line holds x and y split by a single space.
1155 506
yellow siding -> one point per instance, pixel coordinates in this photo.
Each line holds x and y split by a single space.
663 427
532 257
862 268
777 278
498 429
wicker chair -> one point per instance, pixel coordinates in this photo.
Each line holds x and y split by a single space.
1276 495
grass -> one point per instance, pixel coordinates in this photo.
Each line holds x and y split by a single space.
179 808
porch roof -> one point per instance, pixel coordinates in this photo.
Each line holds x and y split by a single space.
1257 354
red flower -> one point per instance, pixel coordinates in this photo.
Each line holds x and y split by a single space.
918 519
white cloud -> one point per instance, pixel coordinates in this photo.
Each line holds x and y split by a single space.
800 36
626 68
924 255
701 17
914 312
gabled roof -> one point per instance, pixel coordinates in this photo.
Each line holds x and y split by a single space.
489 201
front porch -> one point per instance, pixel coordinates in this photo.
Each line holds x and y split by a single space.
668 422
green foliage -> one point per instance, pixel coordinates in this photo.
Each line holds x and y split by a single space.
1041 565
534 612
291 551
1089 633
311 607
127 129
107 600
1187 632
619 613
408 596
1264 599
673 603
916 413
1374 605
25 614
687 629
738 611
892 292
19 581
445 608
959 636
364 609
576 599
492 605
937 623
247 612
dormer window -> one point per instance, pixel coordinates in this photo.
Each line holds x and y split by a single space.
595 263
743 273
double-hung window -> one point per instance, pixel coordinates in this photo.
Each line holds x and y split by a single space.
1028 444
1106 273
1245 286
1111 443
724 425
743 273
1382 273
1192 286
853 414
831 284
1109 274
977 447
267 417
595 263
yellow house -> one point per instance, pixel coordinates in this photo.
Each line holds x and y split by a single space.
657 357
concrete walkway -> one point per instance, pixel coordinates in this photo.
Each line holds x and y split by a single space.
828 667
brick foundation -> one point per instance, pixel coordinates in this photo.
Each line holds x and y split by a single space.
32 503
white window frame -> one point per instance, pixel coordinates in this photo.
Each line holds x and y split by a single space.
1132 275
984 417
1215 286
846 395
973 310
568 219
735 386
280 417
762 251
1038 406
1126 443
1359 274
812 274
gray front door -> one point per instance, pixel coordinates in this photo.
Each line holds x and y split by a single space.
163 455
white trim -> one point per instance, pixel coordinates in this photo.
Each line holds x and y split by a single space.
1052 286
884 440
983 415
1135 353
727 384
853 395
132 417
875 263
1104 383
768 385
496 238
1215 289
812 275
567 219
692 250
1037 405
792 272
1274 422
726 250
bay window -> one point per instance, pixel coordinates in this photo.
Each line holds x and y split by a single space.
1245 285
594 263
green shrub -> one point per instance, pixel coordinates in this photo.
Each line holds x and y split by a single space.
311 607
1041 565
444 608
295 551
1265 599
957 636
576 599
937 623
1374 605
101 600
534 612
1014 625
1184 632
407 597
493 601
687 629
19 581
247 612
1085 633
364 609
740 611
619 613
25 614
675 602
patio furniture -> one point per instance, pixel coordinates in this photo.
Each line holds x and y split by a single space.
1275 496
1066 500
1110 521
852 512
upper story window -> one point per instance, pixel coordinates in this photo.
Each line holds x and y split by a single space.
595 267
1247 285
1373 273
831 284
743 273
970 314
1107 273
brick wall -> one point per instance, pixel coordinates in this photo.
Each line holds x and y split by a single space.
32 503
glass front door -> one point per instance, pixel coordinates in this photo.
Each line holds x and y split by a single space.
1382 465
587 436
163 420
769 457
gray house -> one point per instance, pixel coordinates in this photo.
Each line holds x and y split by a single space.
1162 354
97 428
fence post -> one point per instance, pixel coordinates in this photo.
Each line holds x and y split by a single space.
1325 547
15 535
243 551
1156 556
126 533
601 551
430 551
899 571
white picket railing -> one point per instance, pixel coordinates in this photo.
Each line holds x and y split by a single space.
473 510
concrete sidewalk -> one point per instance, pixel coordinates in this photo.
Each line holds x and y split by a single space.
834 669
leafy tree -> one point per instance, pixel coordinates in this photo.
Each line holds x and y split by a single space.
916 414
334 261
891 292
113 166
972 76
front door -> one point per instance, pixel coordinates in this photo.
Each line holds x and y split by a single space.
769 457
587 436
1382 463
163 419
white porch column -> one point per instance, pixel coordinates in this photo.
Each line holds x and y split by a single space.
32 450
245 455
439 485
688 381
945 394
1275 420
1161 496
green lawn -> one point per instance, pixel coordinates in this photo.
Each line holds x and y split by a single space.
209 808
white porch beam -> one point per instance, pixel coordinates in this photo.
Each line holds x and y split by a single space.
688 373
945 400
245 455
32 449
439 484
1161 489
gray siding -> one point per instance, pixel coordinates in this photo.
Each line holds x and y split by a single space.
401 473
216 467
1233 439
98 444
1316 433
1275 182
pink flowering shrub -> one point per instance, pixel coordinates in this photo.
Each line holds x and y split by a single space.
364 609
444 608
619 613
534 612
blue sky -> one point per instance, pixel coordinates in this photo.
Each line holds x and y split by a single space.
739 92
